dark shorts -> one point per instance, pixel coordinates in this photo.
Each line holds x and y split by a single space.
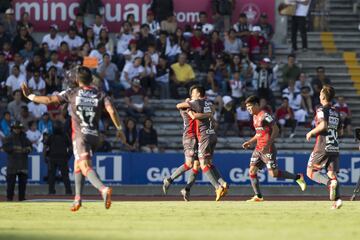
260 160
328 161
207 146
84 146
190 148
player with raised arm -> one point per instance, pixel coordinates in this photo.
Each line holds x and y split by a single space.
326 150
86 104
264 154
206 136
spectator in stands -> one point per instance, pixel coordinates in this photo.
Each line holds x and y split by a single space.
290 71
110 73
107 41
153 53
19 61
303 81
162 77
242 28
26 117
318 82
285 117
90 38
98 26
25 22
53 39
267 30
63 52
52 81
137 101
17 147
222 13
216 45
57 155
154 25
8 52
45 124
123 40
228 114
206 27
199 47
14 107
162 9
10 24
220 74
148 81
5 4
169 25
133 52
3 35
182 76
99 52
238 88
148 138
212 93
79 25
21 38
72 39
232 44
264 80
37 109
130 71
131 135
35 137
36 65
295 100
345 114
135 26
258 45
306 100
4 74
37 84
54 61
298 22
265 106
242 118
145 38
89 9
161 42
5 123
28 52
172 50
14 81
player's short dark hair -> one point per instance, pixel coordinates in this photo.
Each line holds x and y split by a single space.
291 55
198 88
320 68
84 75
252 100
329 92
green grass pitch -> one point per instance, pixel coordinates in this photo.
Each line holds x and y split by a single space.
294 220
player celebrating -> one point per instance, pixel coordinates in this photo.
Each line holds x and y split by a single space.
326 149
206 136
265 151
86 104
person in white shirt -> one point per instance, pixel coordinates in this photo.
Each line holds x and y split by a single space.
207 28
172 49
298 22
154 26
99 53
19 61
53 39
133 52
130 71
14 81
73 40
237 87
295 100
37 109
98 26
37 84
34 136
153 53
54 61
242 118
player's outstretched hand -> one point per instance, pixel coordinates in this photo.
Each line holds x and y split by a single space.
25 90
246 145
308 136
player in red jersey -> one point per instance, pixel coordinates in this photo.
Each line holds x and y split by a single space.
86 104
265 151
326 150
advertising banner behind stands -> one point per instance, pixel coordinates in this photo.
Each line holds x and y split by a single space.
143 169
43 13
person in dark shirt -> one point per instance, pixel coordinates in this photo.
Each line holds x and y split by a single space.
318 82
131 135
228 113
162 9
146 38
136 100
148 138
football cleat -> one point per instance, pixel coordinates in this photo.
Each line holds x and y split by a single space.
166 185
226 189
332 189
353 197
301 182
337 204
185 194
76 205
219 193
106 195
255 199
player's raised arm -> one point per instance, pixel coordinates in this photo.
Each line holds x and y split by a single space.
116 120
318 129
39 99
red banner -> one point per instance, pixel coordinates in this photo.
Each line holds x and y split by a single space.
46 12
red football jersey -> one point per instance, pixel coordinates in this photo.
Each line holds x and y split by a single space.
263 123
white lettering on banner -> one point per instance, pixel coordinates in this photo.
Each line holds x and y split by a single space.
289 166
343 175
155 174
35 168
355 171
117 168
238 175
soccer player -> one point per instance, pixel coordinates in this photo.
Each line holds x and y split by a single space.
326 150
86 104
206 137
265 150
